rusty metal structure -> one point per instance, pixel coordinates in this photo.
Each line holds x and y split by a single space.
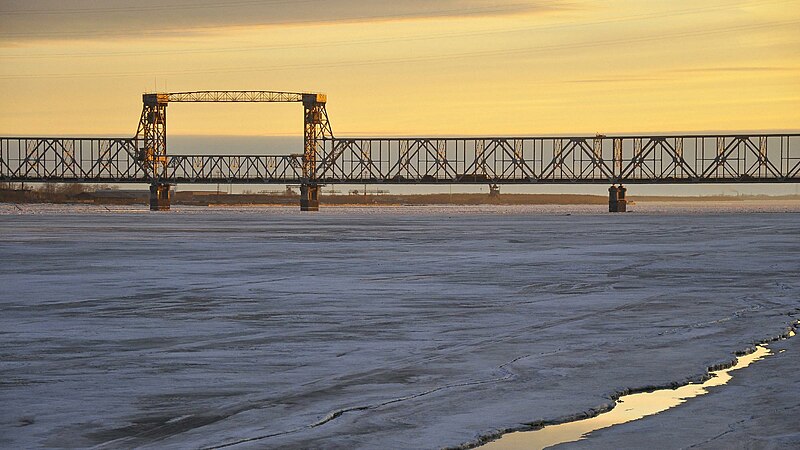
151 143
614 160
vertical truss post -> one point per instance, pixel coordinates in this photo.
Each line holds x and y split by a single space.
719 161
317 128
480 158
762 155
558 157
617 158
152 133
638 157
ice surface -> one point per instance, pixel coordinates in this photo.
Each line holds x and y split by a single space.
759 408
366 327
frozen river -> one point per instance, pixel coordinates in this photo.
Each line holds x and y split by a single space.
368 328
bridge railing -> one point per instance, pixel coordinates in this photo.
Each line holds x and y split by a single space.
600 159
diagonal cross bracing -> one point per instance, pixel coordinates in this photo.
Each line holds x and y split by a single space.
619 159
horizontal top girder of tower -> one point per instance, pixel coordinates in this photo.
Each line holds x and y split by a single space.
233 97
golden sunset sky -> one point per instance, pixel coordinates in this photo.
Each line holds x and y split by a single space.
449 67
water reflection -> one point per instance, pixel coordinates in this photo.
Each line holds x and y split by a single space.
629 408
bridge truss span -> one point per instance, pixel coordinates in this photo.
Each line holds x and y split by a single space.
117 160
104 160
627 159
326 159
588 159
242 169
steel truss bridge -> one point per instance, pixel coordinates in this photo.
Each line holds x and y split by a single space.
143 158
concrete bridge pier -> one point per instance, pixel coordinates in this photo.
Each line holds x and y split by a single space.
159 197
616 199
309 197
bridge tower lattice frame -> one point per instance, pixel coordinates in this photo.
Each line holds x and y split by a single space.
151 136
317 129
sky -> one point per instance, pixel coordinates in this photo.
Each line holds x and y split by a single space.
412 67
